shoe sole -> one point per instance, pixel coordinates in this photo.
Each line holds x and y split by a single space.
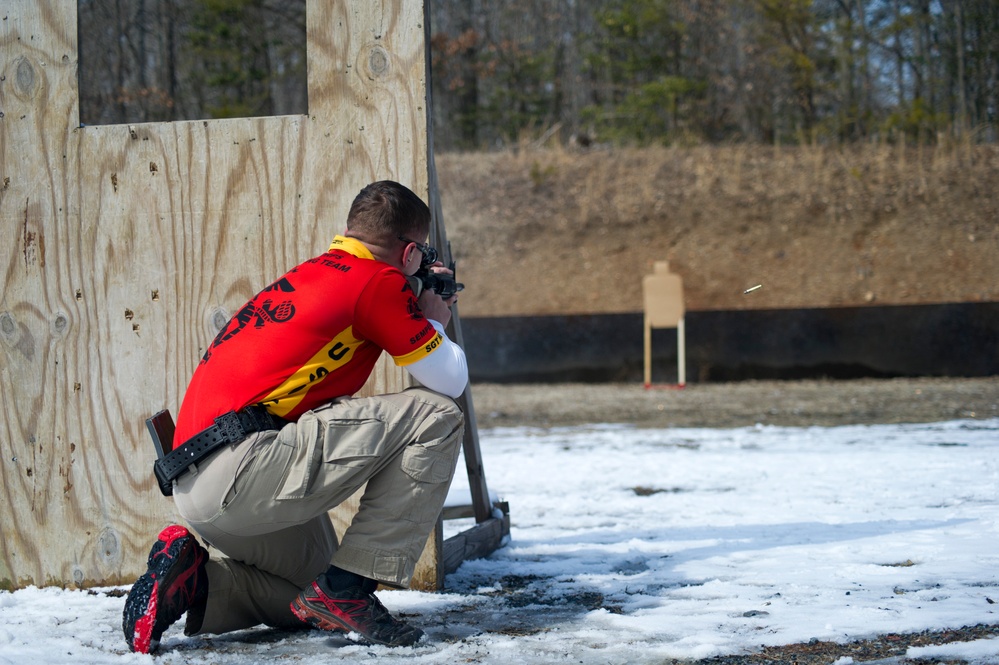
175 543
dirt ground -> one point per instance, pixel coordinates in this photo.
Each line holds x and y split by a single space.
741 404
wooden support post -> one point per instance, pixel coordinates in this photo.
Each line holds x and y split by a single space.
481 504
681 351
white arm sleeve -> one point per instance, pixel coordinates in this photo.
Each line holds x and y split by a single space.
443 371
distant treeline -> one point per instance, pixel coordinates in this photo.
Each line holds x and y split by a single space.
158 60
609 71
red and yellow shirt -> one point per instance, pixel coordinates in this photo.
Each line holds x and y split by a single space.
308 338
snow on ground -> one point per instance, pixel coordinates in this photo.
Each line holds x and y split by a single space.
636 546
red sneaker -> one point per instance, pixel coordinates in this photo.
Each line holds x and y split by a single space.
174 583
353 610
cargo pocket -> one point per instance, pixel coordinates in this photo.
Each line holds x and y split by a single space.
427 465
298 473
334 458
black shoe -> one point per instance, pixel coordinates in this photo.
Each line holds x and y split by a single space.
353 610
174 583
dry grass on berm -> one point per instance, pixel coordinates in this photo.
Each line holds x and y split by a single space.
545 231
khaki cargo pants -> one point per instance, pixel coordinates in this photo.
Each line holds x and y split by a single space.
263 503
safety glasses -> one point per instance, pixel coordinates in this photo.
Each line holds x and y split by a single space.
428 253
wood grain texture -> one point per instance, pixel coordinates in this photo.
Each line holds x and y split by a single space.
126 248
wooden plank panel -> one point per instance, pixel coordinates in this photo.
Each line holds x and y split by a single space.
367 91
129 247
49 535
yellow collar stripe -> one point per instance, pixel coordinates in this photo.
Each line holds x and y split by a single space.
351 246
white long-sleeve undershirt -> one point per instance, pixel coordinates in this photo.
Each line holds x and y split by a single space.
444 370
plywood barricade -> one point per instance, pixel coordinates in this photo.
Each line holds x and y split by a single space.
662 293
126 248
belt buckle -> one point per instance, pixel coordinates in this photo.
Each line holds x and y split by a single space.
230 427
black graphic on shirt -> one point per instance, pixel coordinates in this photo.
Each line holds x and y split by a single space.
412 306
259 314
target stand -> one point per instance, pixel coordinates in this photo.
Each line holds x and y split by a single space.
662 294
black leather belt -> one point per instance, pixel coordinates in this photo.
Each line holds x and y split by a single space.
229 428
